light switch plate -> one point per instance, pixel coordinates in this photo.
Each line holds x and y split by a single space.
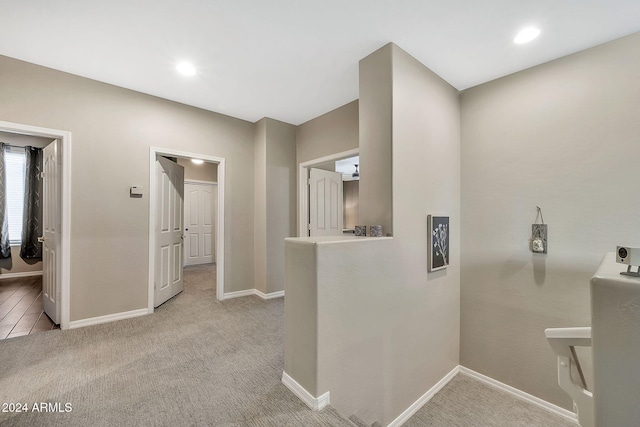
135 191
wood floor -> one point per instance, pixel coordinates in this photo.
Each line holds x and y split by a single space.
21 310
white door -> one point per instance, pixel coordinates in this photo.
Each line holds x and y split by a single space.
51 218
199 214
325 203
169 226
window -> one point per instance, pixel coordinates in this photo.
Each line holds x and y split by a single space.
15 168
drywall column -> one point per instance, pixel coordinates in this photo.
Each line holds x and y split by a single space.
260 205
615 344
281 198
356 318
375 125
337 289
301 315
424 334
386 330
274 198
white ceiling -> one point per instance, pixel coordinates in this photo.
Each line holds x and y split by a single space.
293 60
347 167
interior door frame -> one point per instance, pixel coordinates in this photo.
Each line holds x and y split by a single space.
64 260
153 152
303 187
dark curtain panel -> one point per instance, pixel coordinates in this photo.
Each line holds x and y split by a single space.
32 214
5 245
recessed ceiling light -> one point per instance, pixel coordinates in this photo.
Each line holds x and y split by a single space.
186 69
197 161
526 35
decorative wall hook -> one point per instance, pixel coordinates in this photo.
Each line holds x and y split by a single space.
539 234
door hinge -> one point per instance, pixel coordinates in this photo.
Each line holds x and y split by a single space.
41 175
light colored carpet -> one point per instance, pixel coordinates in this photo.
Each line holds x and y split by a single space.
195 361
199 362
466 402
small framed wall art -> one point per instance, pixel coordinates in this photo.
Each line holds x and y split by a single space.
438 249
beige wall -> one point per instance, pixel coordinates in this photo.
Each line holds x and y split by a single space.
328 166
331 133
351 203
281 198
24 140
563 136
205 172
376 124
275 200
112 129
15 264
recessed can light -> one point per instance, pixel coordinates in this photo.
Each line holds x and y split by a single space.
526 35
197 161
186 69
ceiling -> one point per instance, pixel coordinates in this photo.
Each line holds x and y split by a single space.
293 60
347 167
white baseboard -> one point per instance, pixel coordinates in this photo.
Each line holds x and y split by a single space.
315 403
408 413
108 318
270 295
248 292
23 274
238 294
570 416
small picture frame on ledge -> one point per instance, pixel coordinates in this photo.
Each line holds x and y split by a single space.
438 242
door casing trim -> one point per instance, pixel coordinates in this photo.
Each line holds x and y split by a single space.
303 187
64 266
153 152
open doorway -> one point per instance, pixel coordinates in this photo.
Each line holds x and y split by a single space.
344 165
200 210
44 258
176 263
